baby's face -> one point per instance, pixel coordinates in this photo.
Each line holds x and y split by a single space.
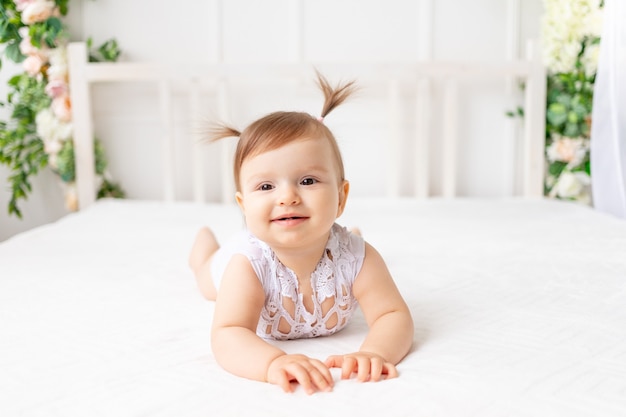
292 195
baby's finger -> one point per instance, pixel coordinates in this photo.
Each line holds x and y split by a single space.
334 361
390 369
376 369
363 368
326 383
283 381
349 366
346 363
303 377
320 381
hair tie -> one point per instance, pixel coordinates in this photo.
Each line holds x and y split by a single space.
320 119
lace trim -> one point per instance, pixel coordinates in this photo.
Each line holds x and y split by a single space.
331 279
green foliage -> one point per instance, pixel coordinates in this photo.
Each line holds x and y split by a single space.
66 167
46 33
9 36
569 104
21 149
42 33
111 190
109 51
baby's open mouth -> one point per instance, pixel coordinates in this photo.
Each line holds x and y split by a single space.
289 218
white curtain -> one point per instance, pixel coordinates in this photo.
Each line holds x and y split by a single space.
608 129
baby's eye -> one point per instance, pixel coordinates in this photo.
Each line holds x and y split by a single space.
308 181
265 187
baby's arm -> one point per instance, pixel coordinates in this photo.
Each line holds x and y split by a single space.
240 351
390 324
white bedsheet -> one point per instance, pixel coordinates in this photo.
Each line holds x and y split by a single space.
519 309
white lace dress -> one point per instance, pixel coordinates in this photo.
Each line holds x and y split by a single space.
284 315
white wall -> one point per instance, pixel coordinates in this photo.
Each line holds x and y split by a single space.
187 31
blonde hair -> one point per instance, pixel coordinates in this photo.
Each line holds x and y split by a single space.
283 127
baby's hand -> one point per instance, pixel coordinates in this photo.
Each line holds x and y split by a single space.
311 373
367 366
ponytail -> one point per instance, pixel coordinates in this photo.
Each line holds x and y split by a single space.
333 96
219 131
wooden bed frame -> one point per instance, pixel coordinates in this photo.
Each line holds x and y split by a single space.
215 79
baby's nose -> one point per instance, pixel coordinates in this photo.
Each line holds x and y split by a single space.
289 196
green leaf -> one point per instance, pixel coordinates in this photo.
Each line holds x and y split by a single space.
63 6
66 167
556 168
110 50
571 130
101 162
110 189
12 51
556 114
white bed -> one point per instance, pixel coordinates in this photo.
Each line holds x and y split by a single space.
518 305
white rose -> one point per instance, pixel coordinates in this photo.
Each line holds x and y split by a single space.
570 150
37 11
52 147
51 129
58 56
58 64
44 122
572 184
20 5
26 47
62 108
32 64
56 73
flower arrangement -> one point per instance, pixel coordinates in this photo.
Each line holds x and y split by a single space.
39 131
571 37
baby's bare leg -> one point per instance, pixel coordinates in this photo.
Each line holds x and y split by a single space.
204 246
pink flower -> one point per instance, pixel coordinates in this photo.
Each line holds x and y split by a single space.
56 88
566 149
20 5
62 107
37 11
27 48
53 146
32 65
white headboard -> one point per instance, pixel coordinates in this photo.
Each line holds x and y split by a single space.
217 79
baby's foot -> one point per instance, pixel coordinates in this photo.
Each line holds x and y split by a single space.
203 247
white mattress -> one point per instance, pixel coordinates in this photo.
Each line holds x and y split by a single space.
519 309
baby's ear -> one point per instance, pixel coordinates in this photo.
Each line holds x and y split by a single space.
239 199
344 190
